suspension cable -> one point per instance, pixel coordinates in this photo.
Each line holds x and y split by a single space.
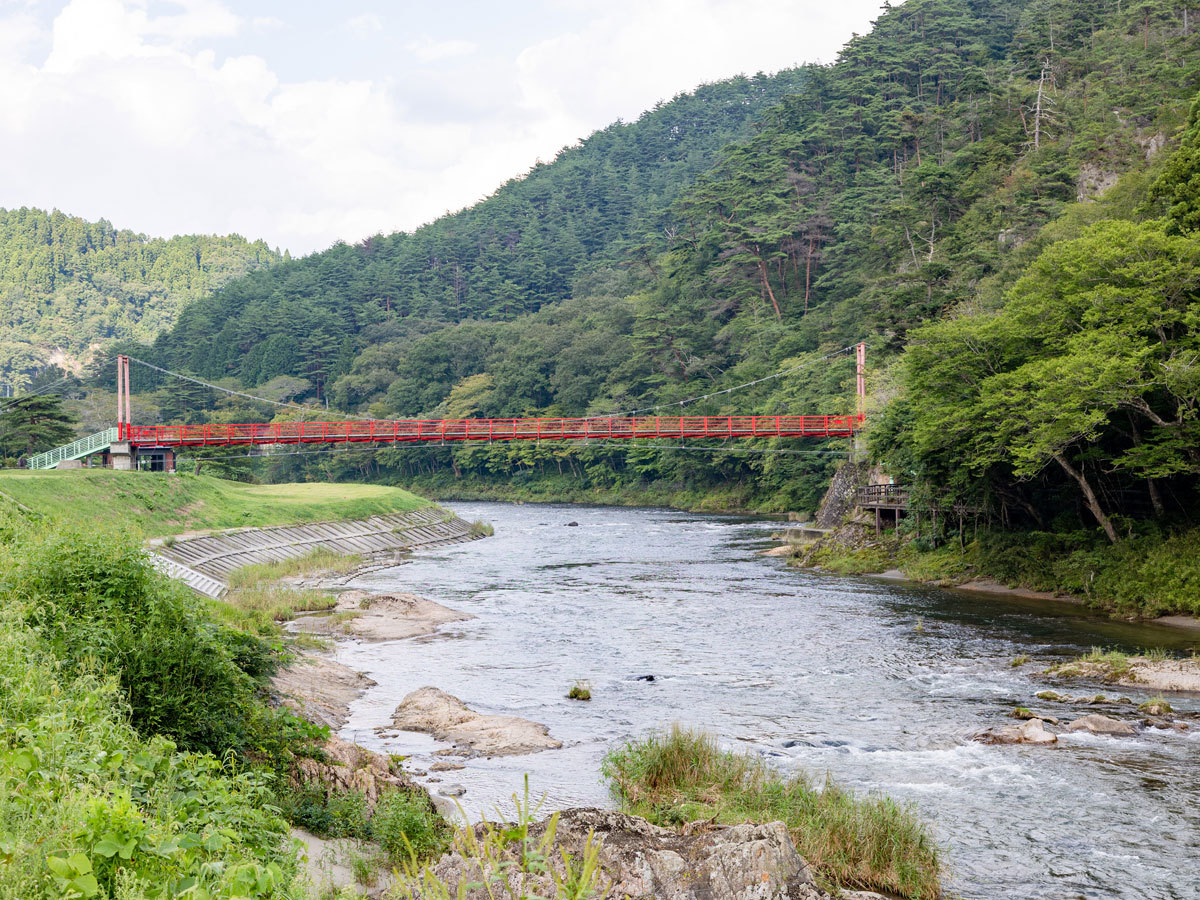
615 415
728 390
16 401
216 387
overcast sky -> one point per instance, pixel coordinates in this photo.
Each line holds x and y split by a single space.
304 122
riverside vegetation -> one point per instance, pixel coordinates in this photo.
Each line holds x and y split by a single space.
1152 572
142 753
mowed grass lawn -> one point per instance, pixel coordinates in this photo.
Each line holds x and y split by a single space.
152 504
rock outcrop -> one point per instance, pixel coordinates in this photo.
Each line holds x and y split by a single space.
1031 732
840 499
1102 725
321 689
642 861
381 617
447 718
349 767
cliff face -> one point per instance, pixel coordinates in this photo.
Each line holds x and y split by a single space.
838 502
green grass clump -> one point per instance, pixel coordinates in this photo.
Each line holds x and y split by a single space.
259 608
479 528
867 561
1108 665
580 690
870 843
944 566
1019 660
510 859
320 561
151 504
1156 706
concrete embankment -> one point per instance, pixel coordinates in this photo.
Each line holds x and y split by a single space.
204 562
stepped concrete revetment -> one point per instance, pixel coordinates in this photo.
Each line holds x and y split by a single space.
205 562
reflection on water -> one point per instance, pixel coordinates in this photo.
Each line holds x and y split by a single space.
816 672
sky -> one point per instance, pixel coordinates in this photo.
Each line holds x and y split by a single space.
305 122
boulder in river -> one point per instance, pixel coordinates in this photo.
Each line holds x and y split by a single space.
448 719
642 861
1097 724
1031 732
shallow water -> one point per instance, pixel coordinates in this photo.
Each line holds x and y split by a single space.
817 672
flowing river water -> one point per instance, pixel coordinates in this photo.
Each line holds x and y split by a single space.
878 684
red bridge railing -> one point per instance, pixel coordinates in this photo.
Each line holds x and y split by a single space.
409 430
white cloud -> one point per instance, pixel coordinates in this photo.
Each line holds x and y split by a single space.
633 53
426 49
123 110
365 24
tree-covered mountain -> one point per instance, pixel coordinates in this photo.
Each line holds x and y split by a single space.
918 178
67 285
526 246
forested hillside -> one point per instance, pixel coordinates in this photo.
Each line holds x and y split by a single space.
918 178
521 249
67 284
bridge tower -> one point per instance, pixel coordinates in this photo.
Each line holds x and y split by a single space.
860 398
122 452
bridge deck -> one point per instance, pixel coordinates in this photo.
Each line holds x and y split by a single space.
410 430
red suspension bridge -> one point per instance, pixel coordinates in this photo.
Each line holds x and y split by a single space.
126 441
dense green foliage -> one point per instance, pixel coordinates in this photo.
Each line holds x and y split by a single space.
88 808
32 424
112 684
852 842
1147 574
99 607
67 284
922 174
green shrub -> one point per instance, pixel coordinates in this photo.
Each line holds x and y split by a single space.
311 806
101 607
408 828
90 809
871 842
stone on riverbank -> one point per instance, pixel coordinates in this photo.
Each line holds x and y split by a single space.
1102 725
1161 675
321 689
642 861
1031 732
349 767
381 617
447 718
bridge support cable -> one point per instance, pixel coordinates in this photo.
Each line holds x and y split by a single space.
791 370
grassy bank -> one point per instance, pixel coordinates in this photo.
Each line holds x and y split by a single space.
1144 576
870 843
151 504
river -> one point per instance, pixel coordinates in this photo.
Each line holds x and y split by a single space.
879 684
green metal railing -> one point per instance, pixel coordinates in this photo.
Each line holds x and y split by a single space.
93 443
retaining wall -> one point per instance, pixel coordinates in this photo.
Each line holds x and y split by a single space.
205 562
